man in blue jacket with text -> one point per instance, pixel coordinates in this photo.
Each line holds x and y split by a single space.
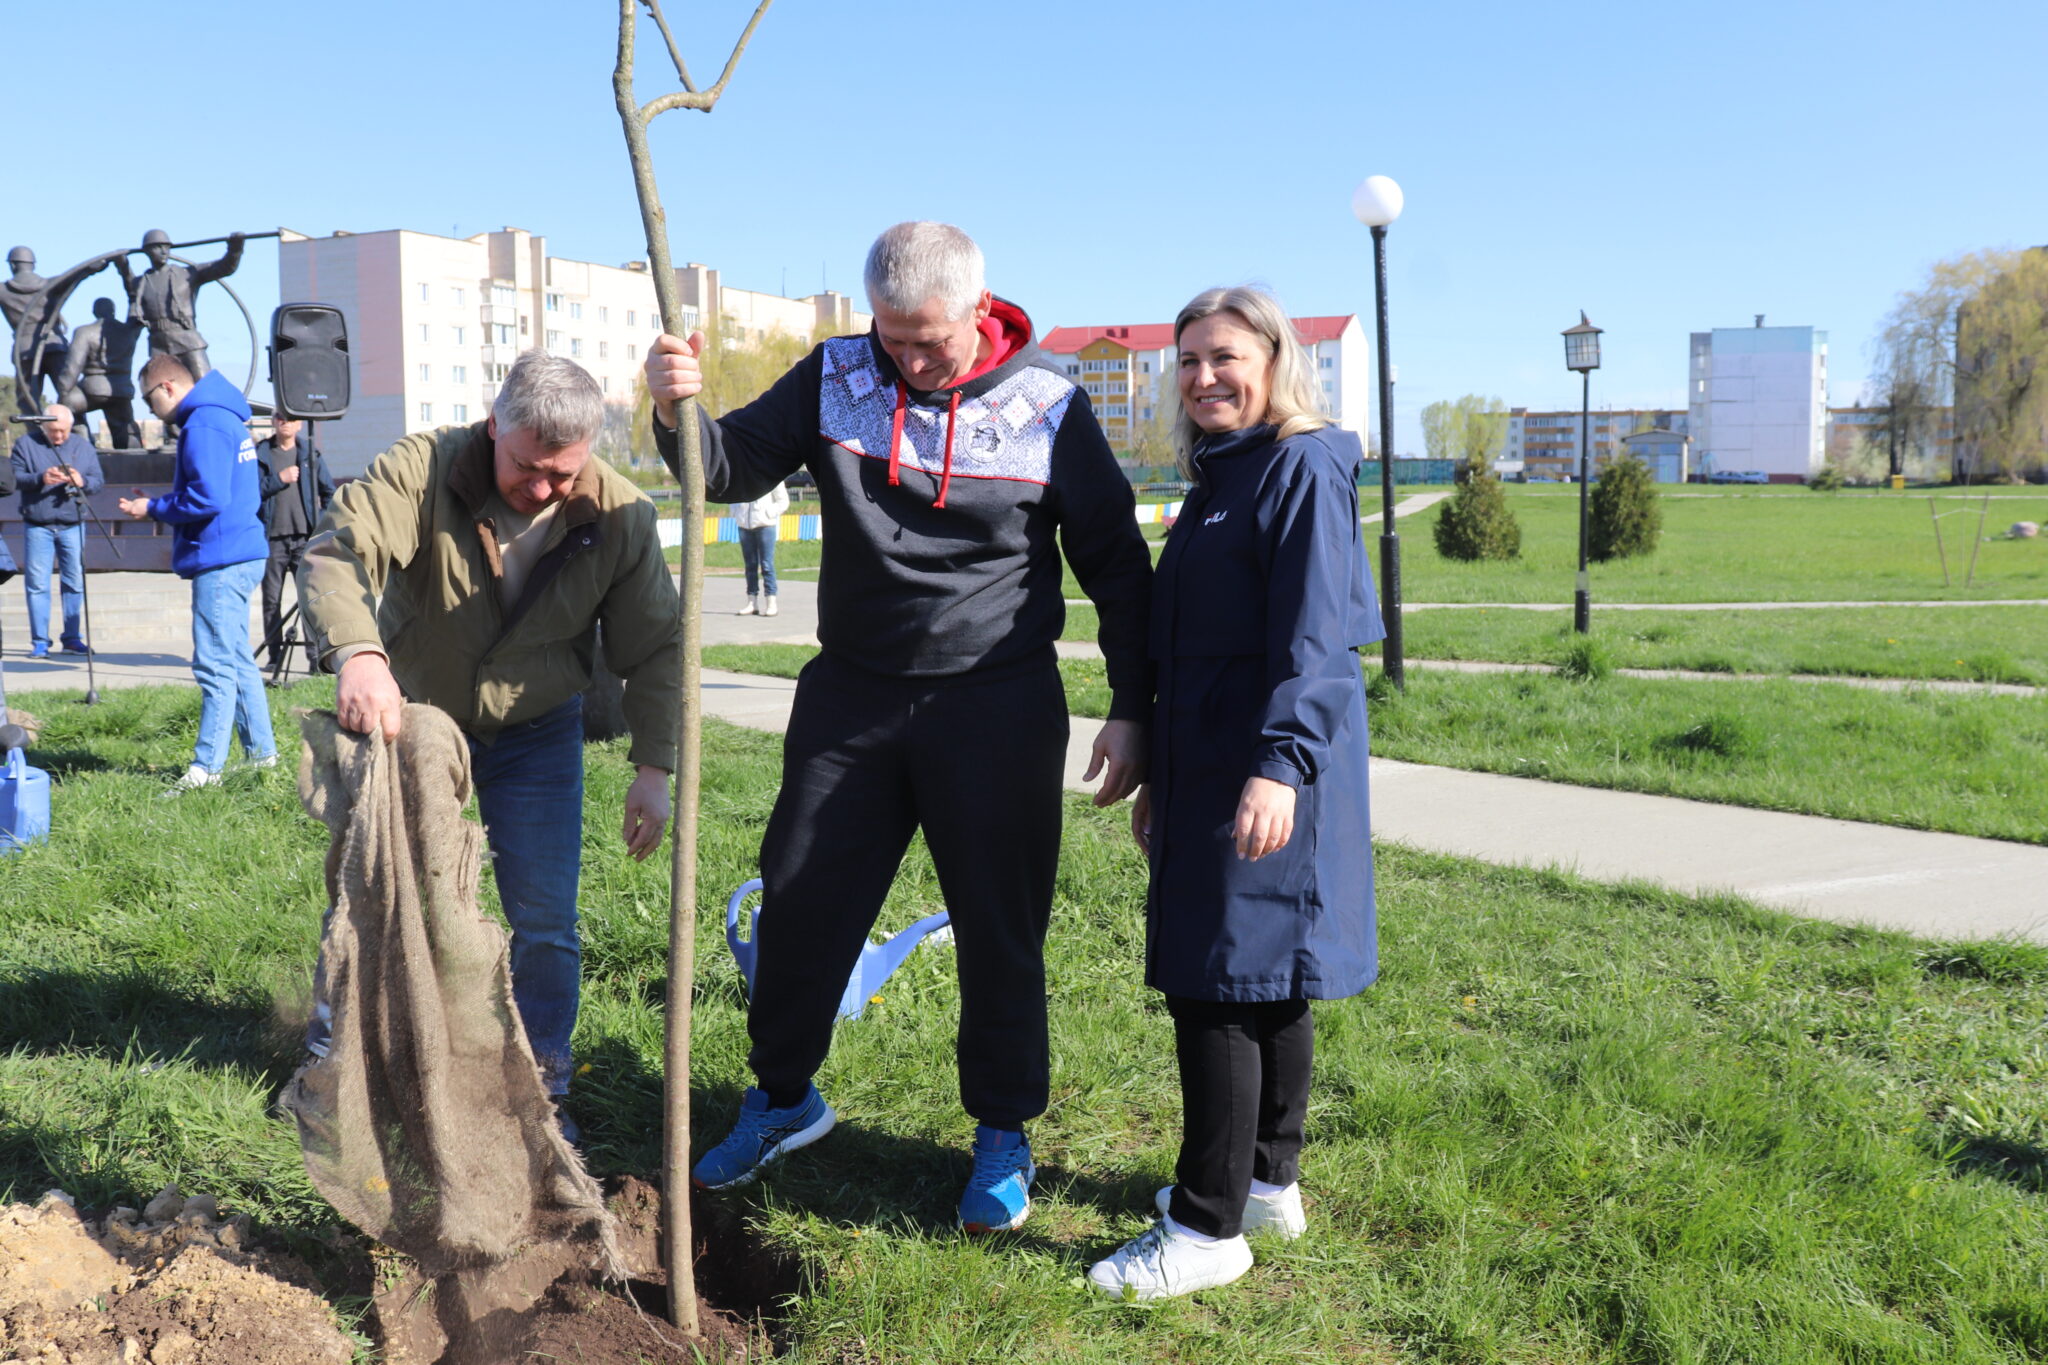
215 511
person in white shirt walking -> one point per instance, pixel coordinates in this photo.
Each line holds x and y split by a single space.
757 522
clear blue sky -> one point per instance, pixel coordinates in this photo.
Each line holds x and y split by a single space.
1665 168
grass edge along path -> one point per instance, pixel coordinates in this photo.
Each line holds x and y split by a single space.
1573 1123
1918 759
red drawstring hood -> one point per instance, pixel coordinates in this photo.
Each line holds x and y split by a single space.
1008 332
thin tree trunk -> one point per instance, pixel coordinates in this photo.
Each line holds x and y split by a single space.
682 960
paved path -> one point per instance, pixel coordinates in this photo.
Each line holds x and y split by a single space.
1935 885
1407 506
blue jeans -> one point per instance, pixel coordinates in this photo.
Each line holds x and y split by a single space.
66 546
230 688
757 552
529 791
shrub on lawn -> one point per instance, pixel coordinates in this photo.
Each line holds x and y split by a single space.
1722 734
1626 515
1829 480
1476 523
1586 660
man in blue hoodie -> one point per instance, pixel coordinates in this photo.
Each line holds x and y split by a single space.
215 511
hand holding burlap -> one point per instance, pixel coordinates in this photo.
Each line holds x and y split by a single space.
427 1125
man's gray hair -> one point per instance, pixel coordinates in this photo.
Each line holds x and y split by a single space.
913 263
554 399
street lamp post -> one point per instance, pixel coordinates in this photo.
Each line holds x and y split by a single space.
1377 203
1582 353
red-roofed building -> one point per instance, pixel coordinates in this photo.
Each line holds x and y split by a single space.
1123 370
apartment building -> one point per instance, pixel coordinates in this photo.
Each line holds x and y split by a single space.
1758 400
1123 368
435 322
1857 433
1546 444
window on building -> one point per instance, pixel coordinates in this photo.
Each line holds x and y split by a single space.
575 310
522 324
632 351
426 412
604 314
505 294
632 318
461 296
426 374
426 292
1073 368
1329 362
552 302
423 332
575 345
504 334
1144 367
607 383
460 374
553 339
459 412
604 350
460 333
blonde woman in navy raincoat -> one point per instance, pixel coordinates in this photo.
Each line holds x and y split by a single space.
1255 819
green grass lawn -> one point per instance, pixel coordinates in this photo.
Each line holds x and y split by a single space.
2007 644
1926 760
1573 1123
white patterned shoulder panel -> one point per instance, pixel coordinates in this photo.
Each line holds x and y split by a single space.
1005 433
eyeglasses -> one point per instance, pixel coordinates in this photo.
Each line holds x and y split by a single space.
149 392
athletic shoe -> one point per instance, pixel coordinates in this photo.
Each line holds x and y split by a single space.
265 763
1164 1263
39 651
195 777
761 1135
998 1194
77 647
1279 1214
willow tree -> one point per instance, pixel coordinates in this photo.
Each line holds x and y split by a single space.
682 961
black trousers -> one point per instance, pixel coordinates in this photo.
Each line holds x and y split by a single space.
977 764
1244 1103
286 552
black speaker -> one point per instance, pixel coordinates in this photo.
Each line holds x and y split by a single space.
309 360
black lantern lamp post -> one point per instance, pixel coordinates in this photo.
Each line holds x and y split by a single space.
1377 202
1582 353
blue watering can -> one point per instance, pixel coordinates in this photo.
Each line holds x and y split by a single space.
878 961
24 803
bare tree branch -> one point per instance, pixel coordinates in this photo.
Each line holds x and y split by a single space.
674 52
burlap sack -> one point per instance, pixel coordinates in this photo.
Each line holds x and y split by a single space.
427 1125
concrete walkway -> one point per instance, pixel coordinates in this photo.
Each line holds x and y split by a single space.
1407 506
1933 885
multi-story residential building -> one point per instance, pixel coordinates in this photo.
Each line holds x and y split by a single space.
1858 433
1546 444
1123 370
435 322
1758 398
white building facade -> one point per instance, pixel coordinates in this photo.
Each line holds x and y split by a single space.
435 322
1758 400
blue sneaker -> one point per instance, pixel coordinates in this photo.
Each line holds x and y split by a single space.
39 650
74 645
998 1196
761 1135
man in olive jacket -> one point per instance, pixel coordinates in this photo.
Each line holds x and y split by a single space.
470 569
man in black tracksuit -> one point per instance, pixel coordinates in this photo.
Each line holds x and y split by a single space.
296 490
953 468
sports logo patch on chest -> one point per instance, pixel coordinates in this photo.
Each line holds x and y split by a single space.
1005 433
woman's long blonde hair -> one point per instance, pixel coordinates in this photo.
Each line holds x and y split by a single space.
1291 405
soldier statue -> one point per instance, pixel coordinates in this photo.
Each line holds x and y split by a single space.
100 367
164 297
34 308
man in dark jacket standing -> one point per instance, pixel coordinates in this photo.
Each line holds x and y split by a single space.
215 514
296 490
55 468
952 469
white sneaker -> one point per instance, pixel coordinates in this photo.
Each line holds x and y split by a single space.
1163 1263
1279 1214
751 608
768 607
261 764
195 777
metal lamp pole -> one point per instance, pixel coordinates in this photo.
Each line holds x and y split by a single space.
1582 353
1377 202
